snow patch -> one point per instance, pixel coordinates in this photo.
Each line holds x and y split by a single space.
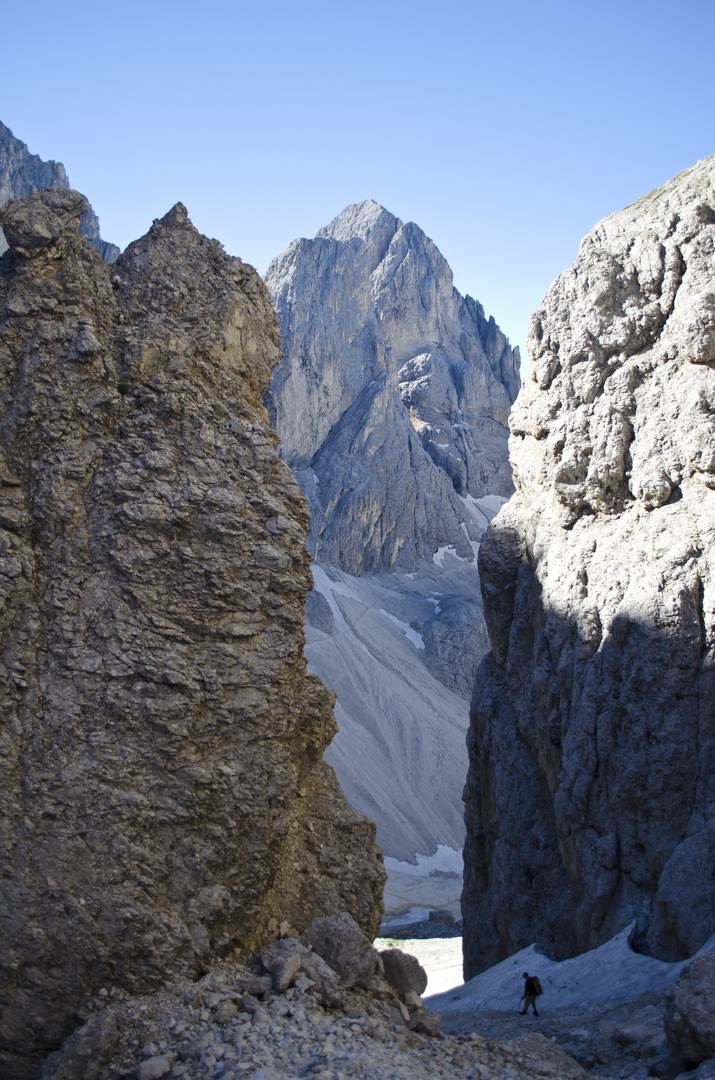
410 633
474 544
612 972
446 860
438 557
475 511
450 549
327 587
316 481
443 445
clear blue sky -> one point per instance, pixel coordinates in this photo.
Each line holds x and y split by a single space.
505 130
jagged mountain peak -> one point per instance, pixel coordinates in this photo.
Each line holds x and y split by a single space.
362 220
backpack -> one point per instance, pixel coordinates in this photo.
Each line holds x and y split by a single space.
537 985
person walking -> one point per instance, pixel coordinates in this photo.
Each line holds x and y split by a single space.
532 988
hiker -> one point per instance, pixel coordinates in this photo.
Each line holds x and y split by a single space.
532 989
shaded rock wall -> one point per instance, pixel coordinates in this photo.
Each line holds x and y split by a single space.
591 792
162 795
23 173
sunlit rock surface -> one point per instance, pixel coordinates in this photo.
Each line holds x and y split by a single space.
163 798
391 404
393 397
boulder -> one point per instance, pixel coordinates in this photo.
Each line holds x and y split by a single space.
345 947
403 971
426 1022
22 173
689 1015
288 960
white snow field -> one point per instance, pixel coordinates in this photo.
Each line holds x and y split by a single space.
611 973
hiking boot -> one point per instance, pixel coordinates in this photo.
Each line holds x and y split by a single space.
522 1012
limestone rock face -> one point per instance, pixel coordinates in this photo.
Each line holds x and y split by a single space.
591 793
23 173
391 405
393 396
163 797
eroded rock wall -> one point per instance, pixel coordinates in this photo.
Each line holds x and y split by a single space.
162 793
591 792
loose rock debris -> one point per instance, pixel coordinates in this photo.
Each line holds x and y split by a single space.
228 1026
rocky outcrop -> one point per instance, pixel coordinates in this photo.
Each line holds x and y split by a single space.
163 797
391 404
23 173
591 792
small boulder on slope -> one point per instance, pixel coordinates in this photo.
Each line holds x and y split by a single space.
690 1016
345 947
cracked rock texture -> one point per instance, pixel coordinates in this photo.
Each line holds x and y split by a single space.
591 793
23 173
393 396
163 797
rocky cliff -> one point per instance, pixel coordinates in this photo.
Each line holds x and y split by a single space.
22 173
391 404
591 792
392 400
163 797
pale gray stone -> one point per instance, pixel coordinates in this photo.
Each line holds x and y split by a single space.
591 789
393 396
156 1067
313 967
22 173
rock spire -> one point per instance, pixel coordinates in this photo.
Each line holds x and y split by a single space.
162 792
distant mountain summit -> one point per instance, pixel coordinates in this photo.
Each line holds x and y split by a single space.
391 403
23 173
393 397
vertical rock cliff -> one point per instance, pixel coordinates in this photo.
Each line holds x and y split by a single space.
391 404
23 173
163 797
591 793
393 397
